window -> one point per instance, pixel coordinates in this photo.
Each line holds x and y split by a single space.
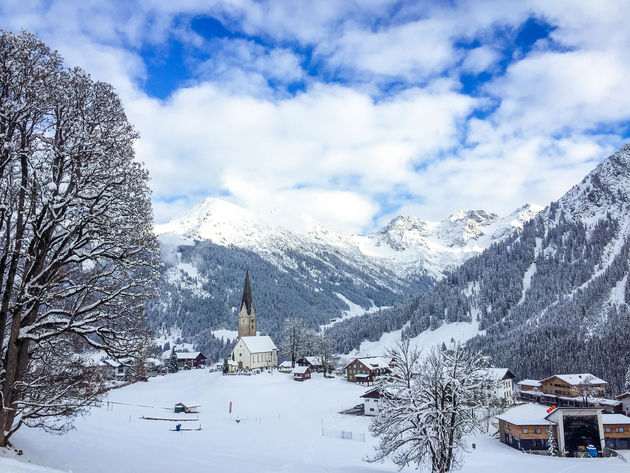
607 429
524 431
536 431
619 429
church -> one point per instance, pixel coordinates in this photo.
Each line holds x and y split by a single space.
252 351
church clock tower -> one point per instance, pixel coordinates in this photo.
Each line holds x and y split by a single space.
247 314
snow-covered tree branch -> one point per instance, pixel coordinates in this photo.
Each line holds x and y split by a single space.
429 406
77 253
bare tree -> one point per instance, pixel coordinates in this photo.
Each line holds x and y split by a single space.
325 350
429 406
77 253
293 338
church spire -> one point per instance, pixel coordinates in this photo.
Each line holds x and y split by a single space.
247 296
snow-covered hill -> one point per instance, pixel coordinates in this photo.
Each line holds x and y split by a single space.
551 298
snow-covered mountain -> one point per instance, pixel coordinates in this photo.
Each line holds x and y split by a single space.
317 274
405 246
553 298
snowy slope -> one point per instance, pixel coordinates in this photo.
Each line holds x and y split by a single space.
285 426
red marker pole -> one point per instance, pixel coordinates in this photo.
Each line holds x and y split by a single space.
230 407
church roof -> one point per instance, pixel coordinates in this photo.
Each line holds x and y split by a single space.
259 344
247 296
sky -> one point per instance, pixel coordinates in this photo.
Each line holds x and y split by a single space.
353 112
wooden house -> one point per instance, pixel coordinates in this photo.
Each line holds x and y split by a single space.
529 385
285 367
301 373
313 362
616 431
525 427
573 385
364 370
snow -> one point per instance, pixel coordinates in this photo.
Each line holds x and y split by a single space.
578 379
615 419
530 382
225 334
300 369
497 373
618 293
259 343
280 429
526 414
527 281
458 331
354 311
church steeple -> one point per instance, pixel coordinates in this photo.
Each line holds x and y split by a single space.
247 296
247 314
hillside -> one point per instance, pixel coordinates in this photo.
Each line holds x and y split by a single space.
560 286
317 275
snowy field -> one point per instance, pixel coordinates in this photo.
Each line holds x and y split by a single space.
280 430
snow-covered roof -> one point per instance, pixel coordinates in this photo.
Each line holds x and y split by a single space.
500 374
374 393
154 361
232 363
300 369
577 379
285 364
530 382
112 363
623 396
373 362
259 343
526 414
313 360
615 419
182 355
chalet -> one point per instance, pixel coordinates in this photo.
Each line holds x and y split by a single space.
504 384
616 431
254 352
573 385
300 373
153 367
232 366
525 427
529 385
313 362
364 370
187 359
371 400
624 399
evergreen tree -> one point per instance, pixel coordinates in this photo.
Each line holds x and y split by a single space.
226 366
173 365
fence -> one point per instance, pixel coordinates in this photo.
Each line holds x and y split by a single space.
343 434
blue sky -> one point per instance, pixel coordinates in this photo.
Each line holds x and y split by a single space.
354 112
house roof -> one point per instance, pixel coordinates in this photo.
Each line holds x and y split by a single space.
526 414
285 364
313 360
373 362
112 363
188 355
247 296
499 374
300 369
530 382
581 379
259 343
623 396
373 393
615 419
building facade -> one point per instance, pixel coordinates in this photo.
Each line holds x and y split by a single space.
364 370
255 352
